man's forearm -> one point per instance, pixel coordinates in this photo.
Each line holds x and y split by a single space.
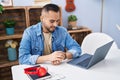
42 59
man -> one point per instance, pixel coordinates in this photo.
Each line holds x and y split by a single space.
46 41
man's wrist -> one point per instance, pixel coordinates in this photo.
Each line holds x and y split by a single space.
68 55
65 56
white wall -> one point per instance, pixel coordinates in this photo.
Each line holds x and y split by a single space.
23 2
111 17
87 11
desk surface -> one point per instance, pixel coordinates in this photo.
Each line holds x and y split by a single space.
107 69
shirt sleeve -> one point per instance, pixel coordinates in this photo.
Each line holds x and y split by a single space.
72 46
25 56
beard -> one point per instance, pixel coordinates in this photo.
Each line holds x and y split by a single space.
50 28
47 28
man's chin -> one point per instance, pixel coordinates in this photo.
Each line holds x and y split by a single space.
52 30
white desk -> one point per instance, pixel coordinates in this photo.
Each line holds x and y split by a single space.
108 69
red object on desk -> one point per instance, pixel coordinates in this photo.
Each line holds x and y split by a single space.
40 71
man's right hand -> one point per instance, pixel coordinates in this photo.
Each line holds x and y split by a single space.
57 57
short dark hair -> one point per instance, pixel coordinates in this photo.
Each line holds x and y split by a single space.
51 7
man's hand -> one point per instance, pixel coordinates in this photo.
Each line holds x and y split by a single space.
57 57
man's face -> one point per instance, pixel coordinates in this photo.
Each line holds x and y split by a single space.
50 20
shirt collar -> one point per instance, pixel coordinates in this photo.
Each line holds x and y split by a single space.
39 29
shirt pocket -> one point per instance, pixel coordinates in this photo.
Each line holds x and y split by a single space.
37 49
37 45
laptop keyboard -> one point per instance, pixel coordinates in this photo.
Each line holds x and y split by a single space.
85 62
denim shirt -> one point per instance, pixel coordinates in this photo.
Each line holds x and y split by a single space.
32 43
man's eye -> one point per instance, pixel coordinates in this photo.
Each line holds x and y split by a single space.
52 21
58 21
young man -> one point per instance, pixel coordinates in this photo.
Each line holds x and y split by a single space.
46 41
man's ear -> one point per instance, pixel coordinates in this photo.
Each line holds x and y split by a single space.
41 18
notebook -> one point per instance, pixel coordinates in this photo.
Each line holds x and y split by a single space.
87 60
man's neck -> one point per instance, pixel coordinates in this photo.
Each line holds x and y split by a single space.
45 31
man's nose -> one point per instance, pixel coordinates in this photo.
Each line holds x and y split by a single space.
55 24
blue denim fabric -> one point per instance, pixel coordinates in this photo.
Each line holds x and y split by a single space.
32 43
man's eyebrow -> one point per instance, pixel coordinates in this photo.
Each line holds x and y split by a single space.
55 20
